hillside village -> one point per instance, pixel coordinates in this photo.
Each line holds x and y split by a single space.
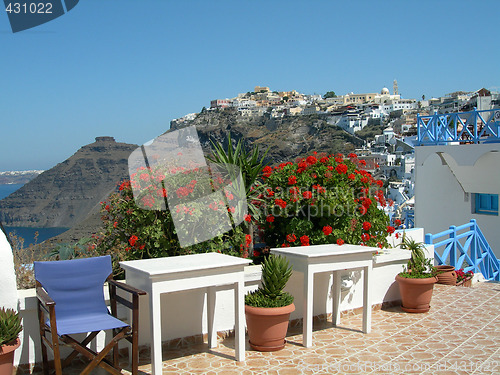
386 122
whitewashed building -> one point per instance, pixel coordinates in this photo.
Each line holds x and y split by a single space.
456 181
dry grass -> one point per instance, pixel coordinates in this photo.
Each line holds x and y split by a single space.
24 258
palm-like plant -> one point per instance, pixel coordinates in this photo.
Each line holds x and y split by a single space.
249 163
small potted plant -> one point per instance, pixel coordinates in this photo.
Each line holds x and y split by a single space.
10 327
268 308
464 278
417 280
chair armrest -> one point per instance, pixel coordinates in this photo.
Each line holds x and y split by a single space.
44 298
127 288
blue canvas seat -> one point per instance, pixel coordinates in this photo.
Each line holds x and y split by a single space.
71 301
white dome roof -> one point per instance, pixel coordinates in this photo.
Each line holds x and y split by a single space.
385 91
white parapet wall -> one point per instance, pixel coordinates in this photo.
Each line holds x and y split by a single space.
184 313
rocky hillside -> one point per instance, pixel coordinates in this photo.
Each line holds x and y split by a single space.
287 138
68 195
65 195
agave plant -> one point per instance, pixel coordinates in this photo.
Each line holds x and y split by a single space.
249 163
418 266
10 326
276 272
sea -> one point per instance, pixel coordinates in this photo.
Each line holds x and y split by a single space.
28 234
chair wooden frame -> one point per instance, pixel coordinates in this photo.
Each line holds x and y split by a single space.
46 306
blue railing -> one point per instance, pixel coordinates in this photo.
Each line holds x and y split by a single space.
465 127
466 245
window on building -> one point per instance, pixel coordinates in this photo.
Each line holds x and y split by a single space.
486 204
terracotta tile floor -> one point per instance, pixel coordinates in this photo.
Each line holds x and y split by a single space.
459 335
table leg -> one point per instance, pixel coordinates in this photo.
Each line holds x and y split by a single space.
155 317
212 333
239 319
367 306
337 281
308 308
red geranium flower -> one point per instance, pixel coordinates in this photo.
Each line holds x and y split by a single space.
340 241
390 229
324 160
292 180
311 160
307 194
291 237
248 218
327 230
280 202
341 168
267 171
132 240
397 222
367 225
351 177
304 240
270 218
365 237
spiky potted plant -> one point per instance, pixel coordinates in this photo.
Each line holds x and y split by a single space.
268 308
10 327
417 280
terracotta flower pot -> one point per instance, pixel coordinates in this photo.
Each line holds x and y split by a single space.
466 282
448 277
416 294
7 357
267 326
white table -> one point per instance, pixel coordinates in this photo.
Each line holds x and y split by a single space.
330 258
171 274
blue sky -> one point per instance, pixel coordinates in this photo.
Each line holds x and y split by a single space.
125 68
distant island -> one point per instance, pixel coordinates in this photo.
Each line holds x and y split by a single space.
18 177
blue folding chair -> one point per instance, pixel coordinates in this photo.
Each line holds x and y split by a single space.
71 301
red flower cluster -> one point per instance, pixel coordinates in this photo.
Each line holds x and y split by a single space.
270 218
327 230
367 225
340 241
267 171
390 229
311 160
132 240
341 168
124 185
292 180
184 191
319 188
291 238
280 202
307 194
304 240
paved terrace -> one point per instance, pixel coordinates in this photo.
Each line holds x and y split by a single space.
459 335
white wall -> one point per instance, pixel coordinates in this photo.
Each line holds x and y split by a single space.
440 181
184 313
8 289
